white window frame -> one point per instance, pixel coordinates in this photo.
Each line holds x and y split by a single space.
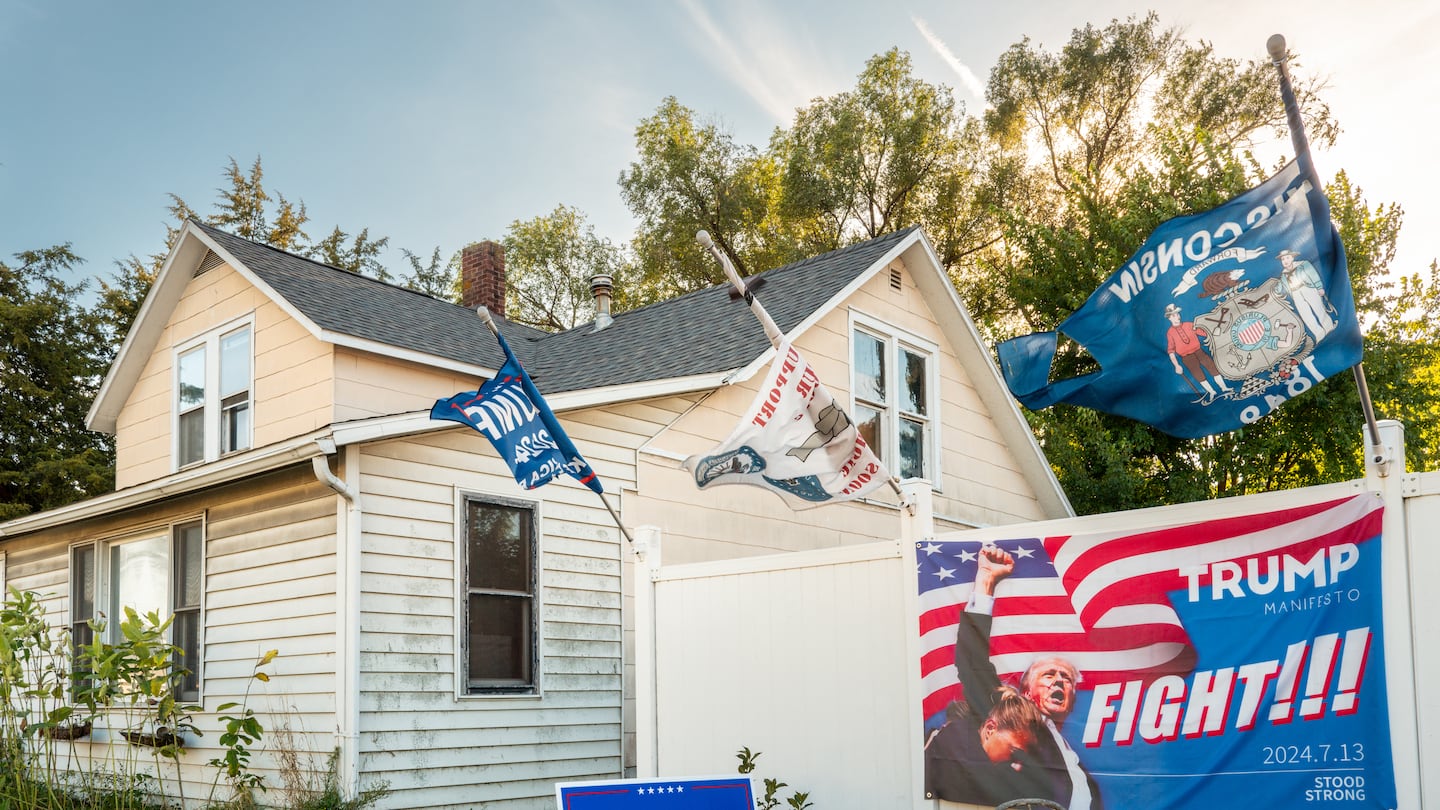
535 689
103 594
212 419
894 339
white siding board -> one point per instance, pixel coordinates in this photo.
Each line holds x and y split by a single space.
311 547
401 585
378 603
409 527
581 598
302 655
304 568
407 642
393 662
286 627
250 615
450 767
401 623
425 510
260 593
421 567
579 614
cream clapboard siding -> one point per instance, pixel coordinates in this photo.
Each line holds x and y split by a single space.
369 385
269 584
980 480
434 748
292 375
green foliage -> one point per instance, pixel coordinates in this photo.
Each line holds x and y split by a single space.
241 730
1124 128
53 355
549 261
435 278
244 207
53 693
862 162
358 254
770 800
693 176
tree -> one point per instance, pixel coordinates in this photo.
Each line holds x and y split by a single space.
693 176
54 357
242 208
359 254
1126 127
860 163
435 278
549 261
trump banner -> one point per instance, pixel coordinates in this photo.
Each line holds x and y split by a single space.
509 411
795 440
1217 320
1238 660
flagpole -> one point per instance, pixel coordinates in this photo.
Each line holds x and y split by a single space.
1278 57
485 318
771 330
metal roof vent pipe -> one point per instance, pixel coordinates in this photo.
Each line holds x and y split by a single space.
601 286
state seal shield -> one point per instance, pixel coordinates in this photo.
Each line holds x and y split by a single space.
1253 331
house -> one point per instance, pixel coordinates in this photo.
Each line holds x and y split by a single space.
280 485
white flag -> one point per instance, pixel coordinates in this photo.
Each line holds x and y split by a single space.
795 441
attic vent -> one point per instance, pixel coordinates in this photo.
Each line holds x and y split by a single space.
895 278
210 262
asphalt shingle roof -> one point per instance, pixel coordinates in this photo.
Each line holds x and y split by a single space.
702 332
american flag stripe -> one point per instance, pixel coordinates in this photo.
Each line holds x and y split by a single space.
1102 600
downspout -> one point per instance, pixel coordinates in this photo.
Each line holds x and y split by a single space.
347 613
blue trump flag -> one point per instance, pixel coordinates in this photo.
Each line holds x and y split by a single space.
509 411
1217 320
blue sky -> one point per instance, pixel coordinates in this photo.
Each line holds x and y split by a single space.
439 123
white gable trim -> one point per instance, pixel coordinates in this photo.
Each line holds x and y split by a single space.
925 268
145 332
170 283
965 339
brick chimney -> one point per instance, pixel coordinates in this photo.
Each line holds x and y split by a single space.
482 276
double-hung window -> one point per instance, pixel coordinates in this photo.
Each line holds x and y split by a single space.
500 619
159 571
894 391
212 395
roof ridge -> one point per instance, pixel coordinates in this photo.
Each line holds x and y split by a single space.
891 235
347 273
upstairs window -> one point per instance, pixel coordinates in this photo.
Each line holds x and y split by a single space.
893 385
500 625
212 396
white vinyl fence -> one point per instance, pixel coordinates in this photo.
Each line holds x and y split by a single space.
813 657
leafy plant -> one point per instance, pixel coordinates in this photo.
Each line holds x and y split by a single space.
242 730
797 800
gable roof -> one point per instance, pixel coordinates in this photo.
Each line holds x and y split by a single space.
693 342
708 332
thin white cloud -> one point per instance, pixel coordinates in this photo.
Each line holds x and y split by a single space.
777 72
968 79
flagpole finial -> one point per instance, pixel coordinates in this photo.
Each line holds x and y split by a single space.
703 237
484 313
1276 46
